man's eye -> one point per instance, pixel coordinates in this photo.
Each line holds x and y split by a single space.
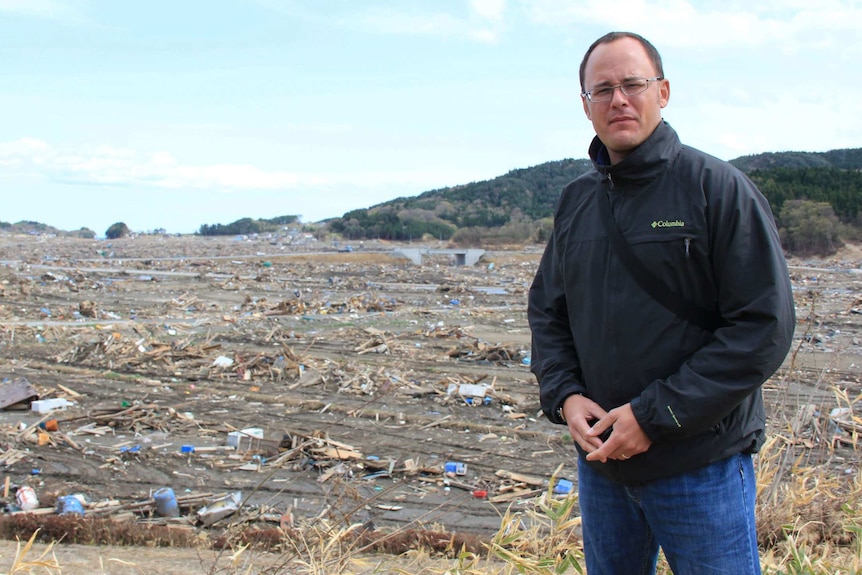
634 86
602 92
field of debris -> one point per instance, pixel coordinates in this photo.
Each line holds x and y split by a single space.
274 384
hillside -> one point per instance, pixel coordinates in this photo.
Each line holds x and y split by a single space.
526 194
521 199
518 206
37 228
843 159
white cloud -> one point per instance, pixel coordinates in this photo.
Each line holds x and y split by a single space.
484 23
50 9
22 152
490 9
388 22
788 123
781 25
106 165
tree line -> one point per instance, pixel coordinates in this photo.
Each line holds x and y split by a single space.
816 198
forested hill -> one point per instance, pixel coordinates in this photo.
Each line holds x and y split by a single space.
522 201
526 194
844 159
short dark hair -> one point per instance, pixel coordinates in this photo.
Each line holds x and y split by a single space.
610 37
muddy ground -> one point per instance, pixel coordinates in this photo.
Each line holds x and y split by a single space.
351 364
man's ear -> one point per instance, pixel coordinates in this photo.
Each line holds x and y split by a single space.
664 93
587 108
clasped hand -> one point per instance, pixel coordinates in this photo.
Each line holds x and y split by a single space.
587 422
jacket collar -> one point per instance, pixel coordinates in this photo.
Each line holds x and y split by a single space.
646 161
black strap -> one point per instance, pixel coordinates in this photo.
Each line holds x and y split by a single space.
690 312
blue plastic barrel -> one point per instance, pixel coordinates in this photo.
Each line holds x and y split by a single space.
166 502
69 504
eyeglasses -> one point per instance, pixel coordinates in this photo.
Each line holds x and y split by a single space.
631 87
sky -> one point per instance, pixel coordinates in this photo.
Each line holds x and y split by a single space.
176 113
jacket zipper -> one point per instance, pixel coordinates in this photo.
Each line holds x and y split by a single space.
611 188
687 241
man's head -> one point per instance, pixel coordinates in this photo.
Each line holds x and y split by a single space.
617 63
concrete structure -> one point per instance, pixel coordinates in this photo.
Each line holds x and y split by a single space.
461 257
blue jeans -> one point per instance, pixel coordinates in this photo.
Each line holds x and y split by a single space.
703 520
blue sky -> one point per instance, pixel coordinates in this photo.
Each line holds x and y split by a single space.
172 114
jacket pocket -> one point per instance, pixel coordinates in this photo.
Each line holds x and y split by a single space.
679 259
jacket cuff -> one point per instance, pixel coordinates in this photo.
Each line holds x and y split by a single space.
558 417
642 417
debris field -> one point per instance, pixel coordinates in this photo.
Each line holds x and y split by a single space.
206 382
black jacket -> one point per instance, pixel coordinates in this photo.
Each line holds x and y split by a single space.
701 226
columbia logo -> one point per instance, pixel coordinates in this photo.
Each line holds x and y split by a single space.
668 224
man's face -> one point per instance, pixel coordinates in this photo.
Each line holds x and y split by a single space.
624 122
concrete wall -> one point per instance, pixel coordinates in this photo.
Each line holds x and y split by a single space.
462 257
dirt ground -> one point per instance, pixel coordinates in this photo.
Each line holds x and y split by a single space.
352 365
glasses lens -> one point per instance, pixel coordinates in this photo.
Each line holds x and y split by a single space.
630 87
636 86
602 94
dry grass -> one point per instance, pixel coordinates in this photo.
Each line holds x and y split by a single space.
45 562
810 503
809 514
71 528
809 521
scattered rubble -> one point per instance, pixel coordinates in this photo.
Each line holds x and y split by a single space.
275 388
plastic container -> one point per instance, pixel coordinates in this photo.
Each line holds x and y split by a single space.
245 439
27 499
456 467
49 405
50 425
563 486
472 390
166 502
69 504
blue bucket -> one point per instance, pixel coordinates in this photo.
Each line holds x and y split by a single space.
69 504
166 502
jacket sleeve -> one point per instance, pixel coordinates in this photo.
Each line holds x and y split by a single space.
554 359
755 301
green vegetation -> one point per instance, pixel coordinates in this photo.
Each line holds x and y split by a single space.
842 159
117 230
501 210
247 226
518 207
37 228
809 228
841 189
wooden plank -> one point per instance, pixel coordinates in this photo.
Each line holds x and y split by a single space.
336 453
16 391
506 497
69 391
522 478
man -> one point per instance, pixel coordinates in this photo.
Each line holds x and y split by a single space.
665 411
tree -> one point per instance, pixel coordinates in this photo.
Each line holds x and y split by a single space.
85 233
809 228
544 230
118 230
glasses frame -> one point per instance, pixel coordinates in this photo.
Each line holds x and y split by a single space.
589 93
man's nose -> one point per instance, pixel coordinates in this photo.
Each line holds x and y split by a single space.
617 96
